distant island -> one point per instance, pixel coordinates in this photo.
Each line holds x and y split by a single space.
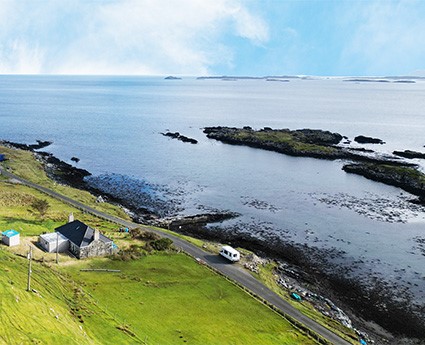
170 77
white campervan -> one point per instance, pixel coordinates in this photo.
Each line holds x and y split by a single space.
230 253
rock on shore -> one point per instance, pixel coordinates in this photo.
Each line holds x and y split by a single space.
361 139
406 177
409 154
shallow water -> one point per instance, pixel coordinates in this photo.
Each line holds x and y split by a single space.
113 123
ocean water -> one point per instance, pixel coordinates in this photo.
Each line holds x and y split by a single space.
113 125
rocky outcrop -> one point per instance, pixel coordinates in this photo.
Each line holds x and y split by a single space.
194 222
180 137
61 171
409 154
40 144
170 77
361 139
407 178
301 142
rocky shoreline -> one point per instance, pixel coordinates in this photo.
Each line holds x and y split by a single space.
372 302
362 302
324 145
64 173
407 178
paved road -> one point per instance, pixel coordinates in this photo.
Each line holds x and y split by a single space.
232 271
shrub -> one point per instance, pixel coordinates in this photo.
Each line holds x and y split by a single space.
144 235
162 244
41 206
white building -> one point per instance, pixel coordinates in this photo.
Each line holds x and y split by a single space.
49 242
10 237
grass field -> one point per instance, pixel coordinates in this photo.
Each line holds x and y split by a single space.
161 298
23 164
170 299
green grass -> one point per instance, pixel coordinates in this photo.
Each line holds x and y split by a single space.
266 276
158 299
410 172
23 164
45 316
293 140
16 212
171 299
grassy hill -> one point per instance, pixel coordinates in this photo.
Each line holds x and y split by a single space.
162 298
158 298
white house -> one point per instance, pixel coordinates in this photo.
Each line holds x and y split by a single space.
230 253
49 242
10 237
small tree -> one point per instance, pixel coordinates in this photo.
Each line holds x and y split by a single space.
40 206
162 244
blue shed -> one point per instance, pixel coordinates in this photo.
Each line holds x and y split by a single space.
10 237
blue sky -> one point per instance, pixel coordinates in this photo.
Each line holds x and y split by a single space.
213 37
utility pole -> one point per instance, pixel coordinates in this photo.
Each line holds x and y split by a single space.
57 247
29 269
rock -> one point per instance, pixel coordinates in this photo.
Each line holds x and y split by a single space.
409 154
197 220
40 144
75 159
187 139
302 142
361 139
61 171
180 137
361 149
408 178
170 77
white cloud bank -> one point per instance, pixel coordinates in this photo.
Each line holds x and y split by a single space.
123 36
386 37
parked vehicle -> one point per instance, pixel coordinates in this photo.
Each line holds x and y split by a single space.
230 253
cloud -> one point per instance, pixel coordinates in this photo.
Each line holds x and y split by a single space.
250 27
123 36
386 37
21 58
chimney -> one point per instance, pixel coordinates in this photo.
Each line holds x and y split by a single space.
71 217
96 235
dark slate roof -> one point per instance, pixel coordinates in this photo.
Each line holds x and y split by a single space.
79 233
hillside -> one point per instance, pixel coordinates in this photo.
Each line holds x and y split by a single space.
156 298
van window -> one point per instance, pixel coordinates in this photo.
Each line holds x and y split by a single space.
234 255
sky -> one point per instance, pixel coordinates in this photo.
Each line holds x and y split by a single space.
213 37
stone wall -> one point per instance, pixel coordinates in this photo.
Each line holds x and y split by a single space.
96 248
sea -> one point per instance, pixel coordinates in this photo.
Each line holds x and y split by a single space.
113 124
